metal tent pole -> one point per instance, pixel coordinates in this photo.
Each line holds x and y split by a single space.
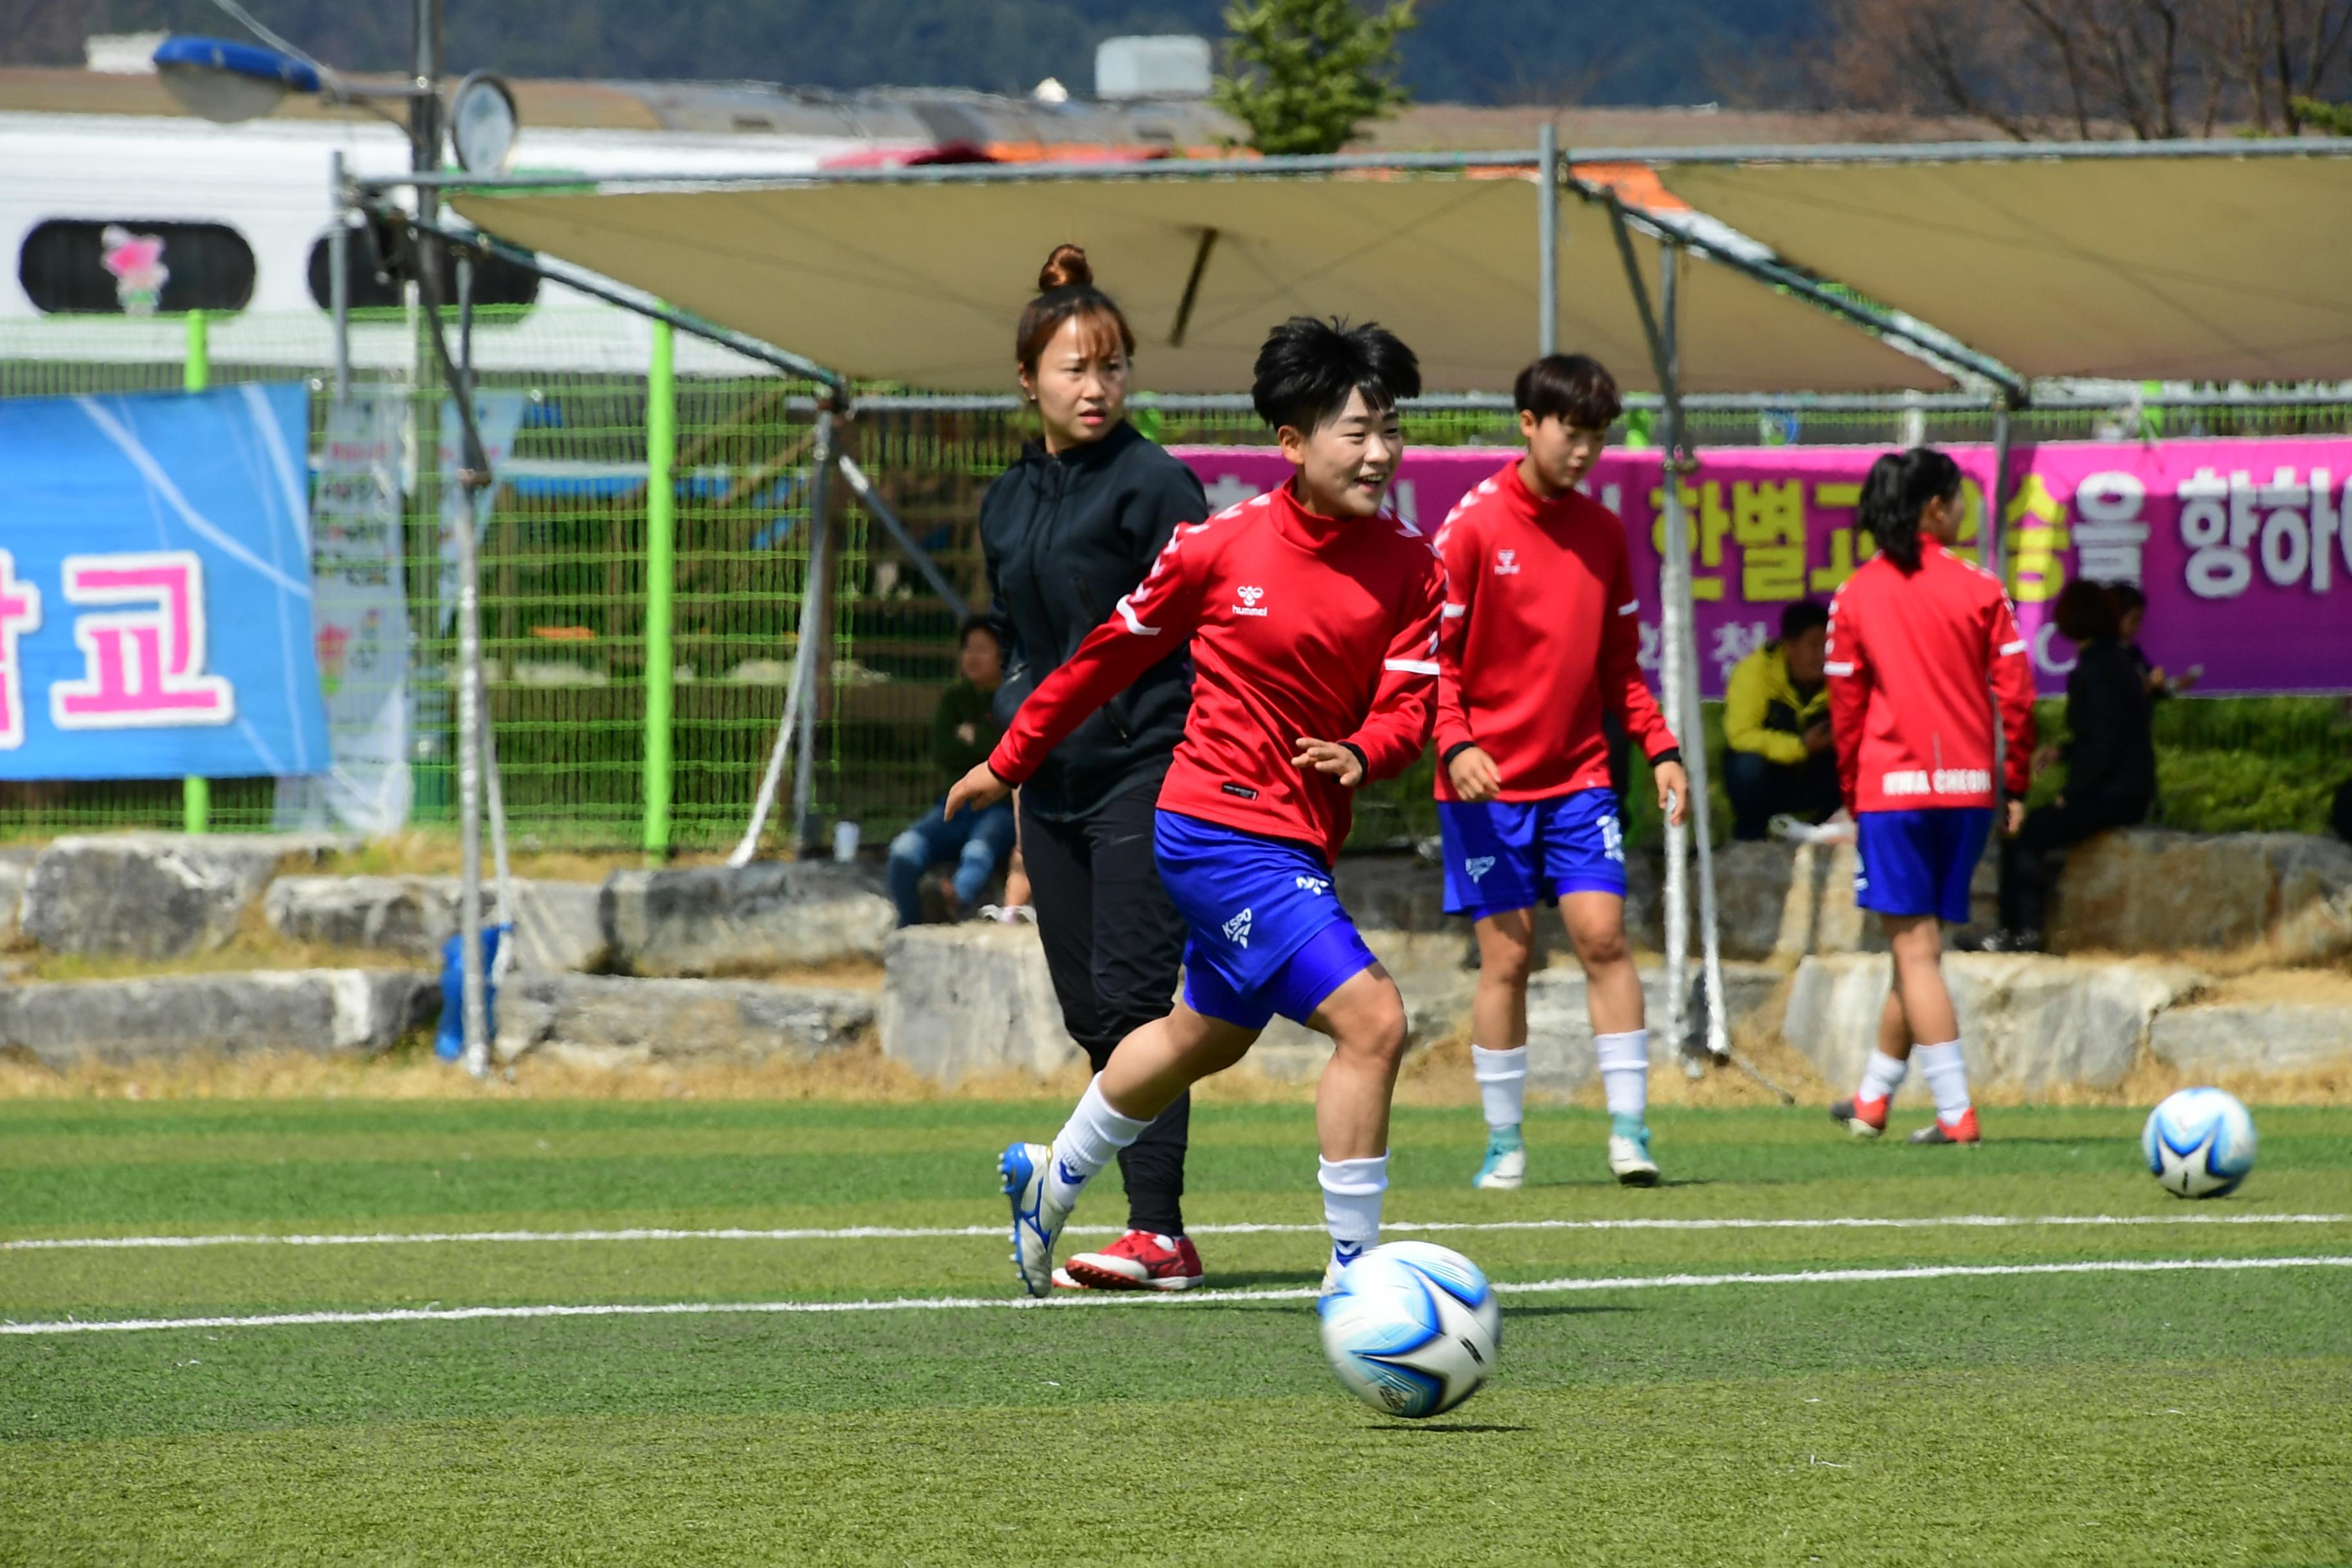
1995 541
811 658
1693 740
339 275
1547 240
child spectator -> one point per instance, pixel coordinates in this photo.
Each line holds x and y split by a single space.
963 731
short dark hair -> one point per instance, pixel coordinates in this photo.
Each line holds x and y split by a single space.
1577 388
978 624
1802 617
2128 598
1308 367
2084 611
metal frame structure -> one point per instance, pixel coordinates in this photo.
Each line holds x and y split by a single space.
1552 166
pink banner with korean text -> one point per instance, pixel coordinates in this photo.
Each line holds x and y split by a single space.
2240 546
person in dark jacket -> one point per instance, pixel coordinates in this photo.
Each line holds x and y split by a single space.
2110 764
1068 531
963 731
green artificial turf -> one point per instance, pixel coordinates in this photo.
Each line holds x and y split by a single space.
2078 1417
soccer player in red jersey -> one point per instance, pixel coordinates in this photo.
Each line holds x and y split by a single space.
1539 639
1313 617
1925 660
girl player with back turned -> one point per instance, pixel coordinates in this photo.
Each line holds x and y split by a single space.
1923 659
1313 615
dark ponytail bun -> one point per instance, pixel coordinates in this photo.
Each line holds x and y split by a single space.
1065 289
1066 268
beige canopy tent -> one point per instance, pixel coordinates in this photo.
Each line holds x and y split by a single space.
920 283
2225 261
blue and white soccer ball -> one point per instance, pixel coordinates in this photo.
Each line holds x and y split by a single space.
2199 1143
1412 1329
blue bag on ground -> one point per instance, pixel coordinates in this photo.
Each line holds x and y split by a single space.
449 1039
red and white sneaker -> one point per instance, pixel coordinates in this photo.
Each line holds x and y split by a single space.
1939 1131
1139 1260
1862 1118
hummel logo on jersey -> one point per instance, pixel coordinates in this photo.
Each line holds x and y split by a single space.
1312 884
1507 562
1478 866
1249 598
1237 930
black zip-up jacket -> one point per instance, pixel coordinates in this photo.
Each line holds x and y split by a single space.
2111 761
1065 539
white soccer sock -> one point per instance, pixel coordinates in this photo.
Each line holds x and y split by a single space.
1625 1071
1881 1074
1502 1084
1947 1079
1090 1140
1352 1190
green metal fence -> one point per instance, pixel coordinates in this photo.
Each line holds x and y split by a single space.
580 576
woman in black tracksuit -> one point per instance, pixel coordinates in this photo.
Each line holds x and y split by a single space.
1067 530
2110 764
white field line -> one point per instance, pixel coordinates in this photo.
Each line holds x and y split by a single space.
1081 1299
932 1232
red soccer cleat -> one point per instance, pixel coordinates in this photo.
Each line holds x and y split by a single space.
1862 1118
1939 1131
1139 1260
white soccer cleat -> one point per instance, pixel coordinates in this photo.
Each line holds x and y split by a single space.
1506 1166
1630 1162
1331 1271
1036 1222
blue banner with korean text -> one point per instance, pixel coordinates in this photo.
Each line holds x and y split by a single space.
155 587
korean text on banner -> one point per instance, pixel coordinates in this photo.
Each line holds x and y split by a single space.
361 613
2240 546
155 587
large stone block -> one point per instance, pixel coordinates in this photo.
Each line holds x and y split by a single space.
2153 890
1436 971
607 1021
16 871
318 1010
558 925
154 895
1559 1027
968 1001
2273 1037
2028 1021
722 920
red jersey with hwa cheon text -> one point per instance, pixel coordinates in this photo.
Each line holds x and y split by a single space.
1920 670
1541 635
1301 625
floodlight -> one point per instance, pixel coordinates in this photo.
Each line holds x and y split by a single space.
483 124
224 80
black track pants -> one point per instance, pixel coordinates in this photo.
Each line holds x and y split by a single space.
1113 944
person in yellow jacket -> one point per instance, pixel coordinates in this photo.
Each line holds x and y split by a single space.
1778 757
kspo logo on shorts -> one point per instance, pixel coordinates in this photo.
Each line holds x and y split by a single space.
1237 929
1612 837
1477 866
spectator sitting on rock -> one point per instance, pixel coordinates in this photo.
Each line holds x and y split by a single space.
1778 759
963 733
2131 609
2110 766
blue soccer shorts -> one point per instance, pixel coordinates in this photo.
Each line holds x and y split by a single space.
1504 854
1920 861
1267 935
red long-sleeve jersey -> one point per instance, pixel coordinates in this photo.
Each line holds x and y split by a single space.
1540 636
1301 625
1911 660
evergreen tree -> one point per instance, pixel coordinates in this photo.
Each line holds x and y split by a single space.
1304 75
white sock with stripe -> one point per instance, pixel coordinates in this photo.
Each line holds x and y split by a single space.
1090 1140
1352 1193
